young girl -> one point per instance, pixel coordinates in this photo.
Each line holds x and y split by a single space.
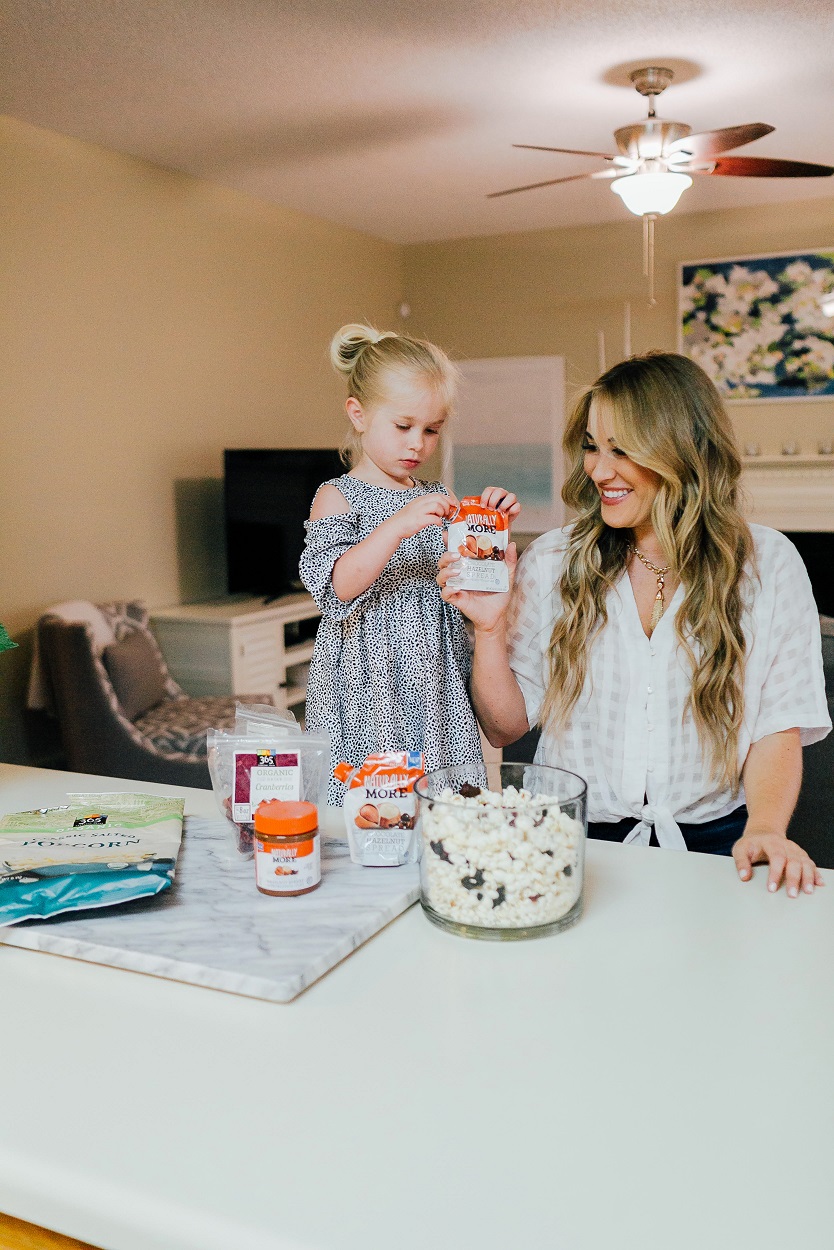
392 660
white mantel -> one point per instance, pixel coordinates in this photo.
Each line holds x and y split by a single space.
790 493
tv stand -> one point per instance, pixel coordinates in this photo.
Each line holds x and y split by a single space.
240 645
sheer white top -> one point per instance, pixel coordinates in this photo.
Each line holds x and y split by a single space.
631 735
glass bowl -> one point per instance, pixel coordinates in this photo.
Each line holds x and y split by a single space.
503 849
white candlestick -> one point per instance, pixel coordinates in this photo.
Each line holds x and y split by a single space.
627 330
601 347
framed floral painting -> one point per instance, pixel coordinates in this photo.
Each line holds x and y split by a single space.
762 327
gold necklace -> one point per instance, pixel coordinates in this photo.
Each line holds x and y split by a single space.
660 574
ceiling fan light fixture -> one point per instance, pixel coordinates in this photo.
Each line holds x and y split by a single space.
651 192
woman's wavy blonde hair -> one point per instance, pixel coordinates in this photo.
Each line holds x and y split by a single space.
366 357
664 412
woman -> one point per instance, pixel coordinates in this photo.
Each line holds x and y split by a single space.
669 651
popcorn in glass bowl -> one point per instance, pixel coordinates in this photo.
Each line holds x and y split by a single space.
503 862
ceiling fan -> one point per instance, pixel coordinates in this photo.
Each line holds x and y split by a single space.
656 160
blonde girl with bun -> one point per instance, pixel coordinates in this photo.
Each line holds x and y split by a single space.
669 651
392 660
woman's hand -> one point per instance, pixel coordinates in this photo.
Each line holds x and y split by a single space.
421 512
485 609
786 859
772 775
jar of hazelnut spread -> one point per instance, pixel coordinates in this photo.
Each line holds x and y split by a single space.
287 851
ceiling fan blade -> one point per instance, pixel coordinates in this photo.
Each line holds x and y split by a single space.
763 167
535 147
552 182
711 142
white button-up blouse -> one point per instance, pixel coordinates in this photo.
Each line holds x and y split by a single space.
631 735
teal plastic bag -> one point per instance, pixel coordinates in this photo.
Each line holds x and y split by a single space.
98 850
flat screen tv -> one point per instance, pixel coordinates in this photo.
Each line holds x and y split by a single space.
268 494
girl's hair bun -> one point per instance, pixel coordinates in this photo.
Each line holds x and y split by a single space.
350 342
367 359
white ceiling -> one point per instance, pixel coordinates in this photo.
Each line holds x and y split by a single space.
396 117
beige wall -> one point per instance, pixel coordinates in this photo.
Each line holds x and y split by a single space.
551 291
148 321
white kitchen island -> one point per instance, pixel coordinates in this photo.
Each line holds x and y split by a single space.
658 1077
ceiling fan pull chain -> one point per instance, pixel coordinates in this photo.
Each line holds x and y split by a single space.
648 253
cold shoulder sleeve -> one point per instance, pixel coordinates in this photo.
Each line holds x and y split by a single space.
328 538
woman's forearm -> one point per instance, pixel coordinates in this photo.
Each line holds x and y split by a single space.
496 695
359 567
772 775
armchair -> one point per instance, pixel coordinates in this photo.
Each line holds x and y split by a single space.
120 712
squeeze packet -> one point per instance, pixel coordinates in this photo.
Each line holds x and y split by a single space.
96 851
479 535
380 808
266 763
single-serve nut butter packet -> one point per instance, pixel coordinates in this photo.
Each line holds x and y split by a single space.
479 535
380 808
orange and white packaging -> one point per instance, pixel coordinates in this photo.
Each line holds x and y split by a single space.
380 808
479 536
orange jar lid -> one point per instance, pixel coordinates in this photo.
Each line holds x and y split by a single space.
280 819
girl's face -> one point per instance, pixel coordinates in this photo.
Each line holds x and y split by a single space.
400 432
627 490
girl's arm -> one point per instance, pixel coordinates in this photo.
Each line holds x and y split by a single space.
772 775
359 567
496 695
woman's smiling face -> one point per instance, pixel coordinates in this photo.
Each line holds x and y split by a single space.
627 490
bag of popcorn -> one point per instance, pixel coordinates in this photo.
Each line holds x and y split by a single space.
97 850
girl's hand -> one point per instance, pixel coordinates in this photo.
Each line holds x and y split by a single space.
422 512
485 609
501 500
786 859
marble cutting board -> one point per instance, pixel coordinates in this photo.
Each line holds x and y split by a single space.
214 929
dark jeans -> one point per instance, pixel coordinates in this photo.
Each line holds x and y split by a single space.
713 837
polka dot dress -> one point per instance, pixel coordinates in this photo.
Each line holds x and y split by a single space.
391 667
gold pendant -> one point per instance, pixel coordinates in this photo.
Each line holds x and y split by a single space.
657 611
